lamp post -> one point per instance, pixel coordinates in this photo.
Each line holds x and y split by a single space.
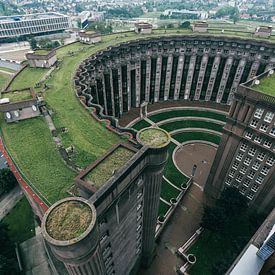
194 171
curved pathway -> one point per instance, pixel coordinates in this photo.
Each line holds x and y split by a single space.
24 185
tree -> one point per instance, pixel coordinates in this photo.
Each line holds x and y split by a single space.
33 44
185 25
214 218
7 180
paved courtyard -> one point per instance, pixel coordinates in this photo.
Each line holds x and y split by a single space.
187 216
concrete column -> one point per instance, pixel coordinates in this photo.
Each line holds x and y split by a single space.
237 109
201 76
190 74
119 72
129 85
224 78
249 114
168 76
104 93
158 76
81 255
155 160
112 92
137 67
236 80
232 108
254 69
148 78
179 77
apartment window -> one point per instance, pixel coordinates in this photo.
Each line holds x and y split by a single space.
235 165
256 165
255 187
270 161
139 227
243 169
254 123
267 143
243 147
239 178
246 182
249 135
139 195
258 113
272 132
231 173
251 174
242 190
239 156
252 151
268 117
265 170
247 161
228 181
261 156
250 195
258 139
260 179
139 217
263 127
139 206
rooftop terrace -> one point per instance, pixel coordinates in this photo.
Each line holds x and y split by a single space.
266 86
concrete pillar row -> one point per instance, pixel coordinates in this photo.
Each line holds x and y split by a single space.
254 69
120 89
190 75
168 76
201 76
179 76
148 79
158 77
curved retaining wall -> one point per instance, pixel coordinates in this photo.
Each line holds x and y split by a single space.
193 68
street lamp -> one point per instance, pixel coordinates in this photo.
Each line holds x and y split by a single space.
194 170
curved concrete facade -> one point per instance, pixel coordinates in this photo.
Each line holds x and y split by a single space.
196 68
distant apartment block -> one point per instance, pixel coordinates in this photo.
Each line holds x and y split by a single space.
263 31
24 25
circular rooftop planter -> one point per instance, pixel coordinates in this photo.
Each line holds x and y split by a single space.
68 221
153 137
173 201
191 258
161 219
183 186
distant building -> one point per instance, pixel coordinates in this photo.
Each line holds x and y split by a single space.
186 14
32 24
41 58
89 37
143 27
19 105
263 31
200 27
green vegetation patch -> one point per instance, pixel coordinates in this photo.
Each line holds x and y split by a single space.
31 145
8 70
141 124
183 113
171 126
41 52
16 96
68 220
20 222
168 191
163 208
4 79
186 136
105 169
154 137
266 86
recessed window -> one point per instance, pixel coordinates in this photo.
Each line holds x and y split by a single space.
267 143
250 195
235 165
249 135
268 117
239 156
246 182
239 178
228 181
247 161
258 113
261 156
270 161
255 187
254 123
243 147
256 165
259 179
272 132
251 174
243 169
265 170
252 151
263 127
258 139
231 173
242 190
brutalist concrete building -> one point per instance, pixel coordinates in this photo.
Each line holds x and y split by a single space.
112 231
245 158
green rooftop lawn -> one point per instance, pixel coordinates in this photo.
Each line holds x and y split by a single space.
184 113
104 170
31 145
16 96
168 191
4 79
163 208
266 86
28 78
181 124
20 221
42 52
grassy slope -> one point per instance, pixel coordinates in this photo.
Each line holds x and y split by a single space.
163 208
20 222
3 79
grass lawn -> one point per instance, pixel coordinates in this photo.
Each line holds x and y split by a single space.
182 137
3 79
168 191
184 113
141 124
191 124
213 247
31 145
20 222
163 208
28 78
266 86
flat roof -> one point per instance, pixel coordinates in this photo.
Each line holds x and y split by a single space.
25 17
42 52
266 86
